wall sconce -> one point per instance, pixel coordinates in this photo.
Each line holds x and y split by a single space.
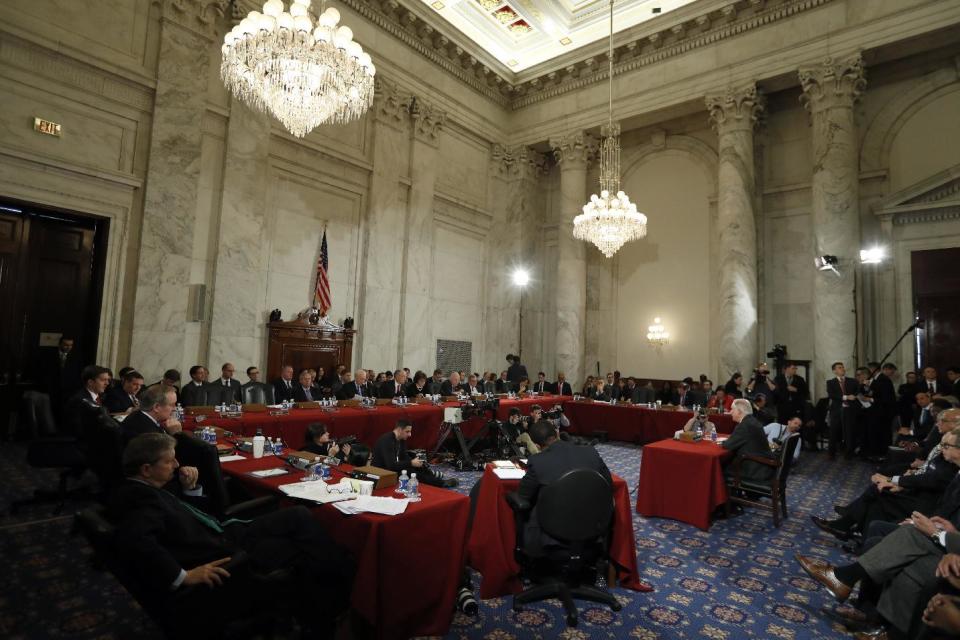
873 255
657 336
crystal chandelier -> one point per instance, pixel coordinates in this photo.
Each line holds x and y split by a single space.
610 220
657 335
302 73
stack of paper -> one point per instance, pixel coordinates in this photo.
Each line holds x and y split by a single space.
373 504
231 458
504 464
510 474
319 491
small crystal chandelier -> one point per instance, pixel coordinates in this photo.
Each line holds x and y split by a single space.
305 75
657 335
610 220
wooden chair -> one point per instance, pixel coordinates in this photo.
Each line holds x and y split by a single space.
775 490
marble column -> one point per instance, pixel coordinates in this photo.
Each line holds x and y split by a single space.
734 114
830 90
573 153
378 335
172 184
415 309
239 306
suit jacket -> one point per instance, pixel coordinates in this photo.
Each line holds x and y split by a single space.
883 393
390 453
643 395
281 391
228 394
447 389
563 389
299 395
413 391
516 372
598 395
693 397
503 386
795 399
158 536
542 387
545 468
137 423
58 379
923 422
116 400
350 390
749 438
192 395
835 394
467 389
949 505
938 475
388 389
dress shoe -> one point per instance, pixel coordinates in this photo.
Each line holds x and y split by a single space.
852 619
450 483
852 548
827 525
840 510
878 633
823 573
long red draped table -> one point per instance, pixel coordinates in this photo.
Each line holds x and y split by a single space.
408 566
682 481
366 424
631 423
493 536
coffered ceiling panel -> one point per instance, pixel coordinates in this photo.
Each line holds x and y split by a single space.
524 33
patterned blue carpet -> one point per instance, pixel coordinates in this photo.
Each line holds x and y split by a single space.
738 580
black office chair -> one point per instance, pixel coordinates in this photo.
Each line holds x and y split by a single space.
749 492
257 393
577 511
225 500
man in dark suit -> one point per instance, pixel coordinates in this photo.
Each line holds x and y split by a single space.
283 386
59 371
395 388
503 384
933 384
390 452
879 415
228 387
195 393
748 438
541 385
304 390
556 457
123 398
171 378
154 415
842 392
169 541
953 376
356 388
516 371
451 386
644 393
791 394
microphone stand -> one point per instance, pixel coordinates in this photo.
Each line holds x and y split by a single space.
896 344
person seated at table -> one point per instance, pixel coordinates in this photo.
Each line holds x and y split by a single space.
556 457
123 398
720 401
155 415
191 394
490 382
390 452
317 440
760 410
667 394
517 426
701 417
777 433
169 542
473 387
304 390
748 438
394 388
706 386
451 386
356 388
283 386
644 393
419 387
523 386
541 385
599 391
587 387
733 387
620 392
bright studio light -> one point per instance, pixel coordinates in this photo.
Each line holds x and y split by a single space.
521 277
873 255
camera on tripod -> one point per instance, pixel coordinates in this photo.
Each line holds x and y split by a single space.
779 352
479 408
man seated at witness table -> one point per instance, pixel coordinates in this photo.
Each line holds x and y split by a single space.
541 385
701 418
304 390
748 438
451 386
777 433
166 538
283 386
317 440
356 388
556 457
155 415
193 393
720 401
390 452
123 398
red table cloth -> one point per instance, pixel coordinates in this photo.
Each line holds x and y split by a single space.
408 566
682 481
493 537
631 423
366 424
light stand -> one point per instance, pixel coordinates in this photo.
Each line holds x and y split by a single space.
521 278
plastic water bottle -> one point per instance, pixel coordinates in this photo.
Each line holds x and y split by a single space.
278 447
316 471
713 435
403 483
258 443
308 473
324 470
413 489
268 447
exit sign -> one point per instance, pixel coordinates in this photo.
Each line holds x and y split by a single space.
47 127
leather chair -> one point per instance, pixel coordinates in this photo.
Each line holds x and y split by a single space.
775 490
257 393
577 511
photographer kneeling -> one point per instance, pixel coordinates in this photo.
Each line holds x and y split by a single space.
517 426
390 452
555 417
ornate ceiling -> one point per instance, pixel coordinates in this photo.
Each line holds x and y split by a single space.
523 33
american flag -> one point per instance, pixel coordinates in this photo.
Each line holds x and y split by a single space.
321 297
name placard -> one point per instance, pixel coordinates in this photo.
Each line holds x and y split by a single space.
46 126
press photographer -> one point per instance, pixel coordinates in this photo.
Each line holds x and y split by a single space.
700 421
761 380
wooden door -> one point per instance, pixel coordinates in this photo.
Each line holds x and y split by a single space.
936 292
12 233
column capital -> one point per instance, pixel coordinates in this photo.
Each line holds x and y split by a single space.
427 121
198 16
391 104
518 161
736 108
574 149
832 83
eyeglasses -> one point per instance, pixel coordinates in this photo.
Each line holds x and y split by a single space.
947 445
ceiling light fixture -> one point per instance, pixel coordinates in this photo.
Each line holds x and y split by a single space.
302 73
610 220
873 255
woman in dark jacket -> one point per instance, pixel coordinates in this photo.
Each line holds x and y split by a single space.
733 386
666 394
318 441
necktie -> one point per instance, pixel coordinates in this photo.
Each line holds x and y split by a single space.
397 391
98 401
360 390
307 393
842 390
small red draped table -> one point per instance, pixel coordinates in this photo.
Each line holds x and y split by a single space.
493 537
366 424
408 566
632 423
682 481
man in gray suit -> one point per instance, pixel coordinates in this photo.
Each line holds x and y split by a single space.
748 438
902 569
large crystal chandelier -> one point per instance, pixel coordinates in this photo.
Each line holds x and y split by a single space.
610 220
305 74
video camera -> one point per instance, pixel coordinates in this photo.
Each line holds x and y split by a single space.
554 414
479 408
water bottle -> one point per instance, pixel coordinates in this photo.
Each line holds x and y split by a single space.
403 482
258 442
413 489
713 436
307 473
179 411
268 447
278 447
316 471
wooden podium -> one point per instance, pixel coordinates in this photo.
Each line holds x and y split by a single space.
307 345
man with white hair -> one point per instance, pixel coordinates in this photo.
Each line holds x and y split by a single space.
748 438
357 388
452 386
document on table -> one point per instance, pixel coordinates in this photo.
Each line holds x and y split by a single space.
510 474
232 458
504 464
319 491
373 504
267 473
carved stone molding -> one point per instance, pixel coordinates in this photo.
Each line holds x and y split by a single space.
518 161
391 104
574 148
737 107
427 120
832 83
199 16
